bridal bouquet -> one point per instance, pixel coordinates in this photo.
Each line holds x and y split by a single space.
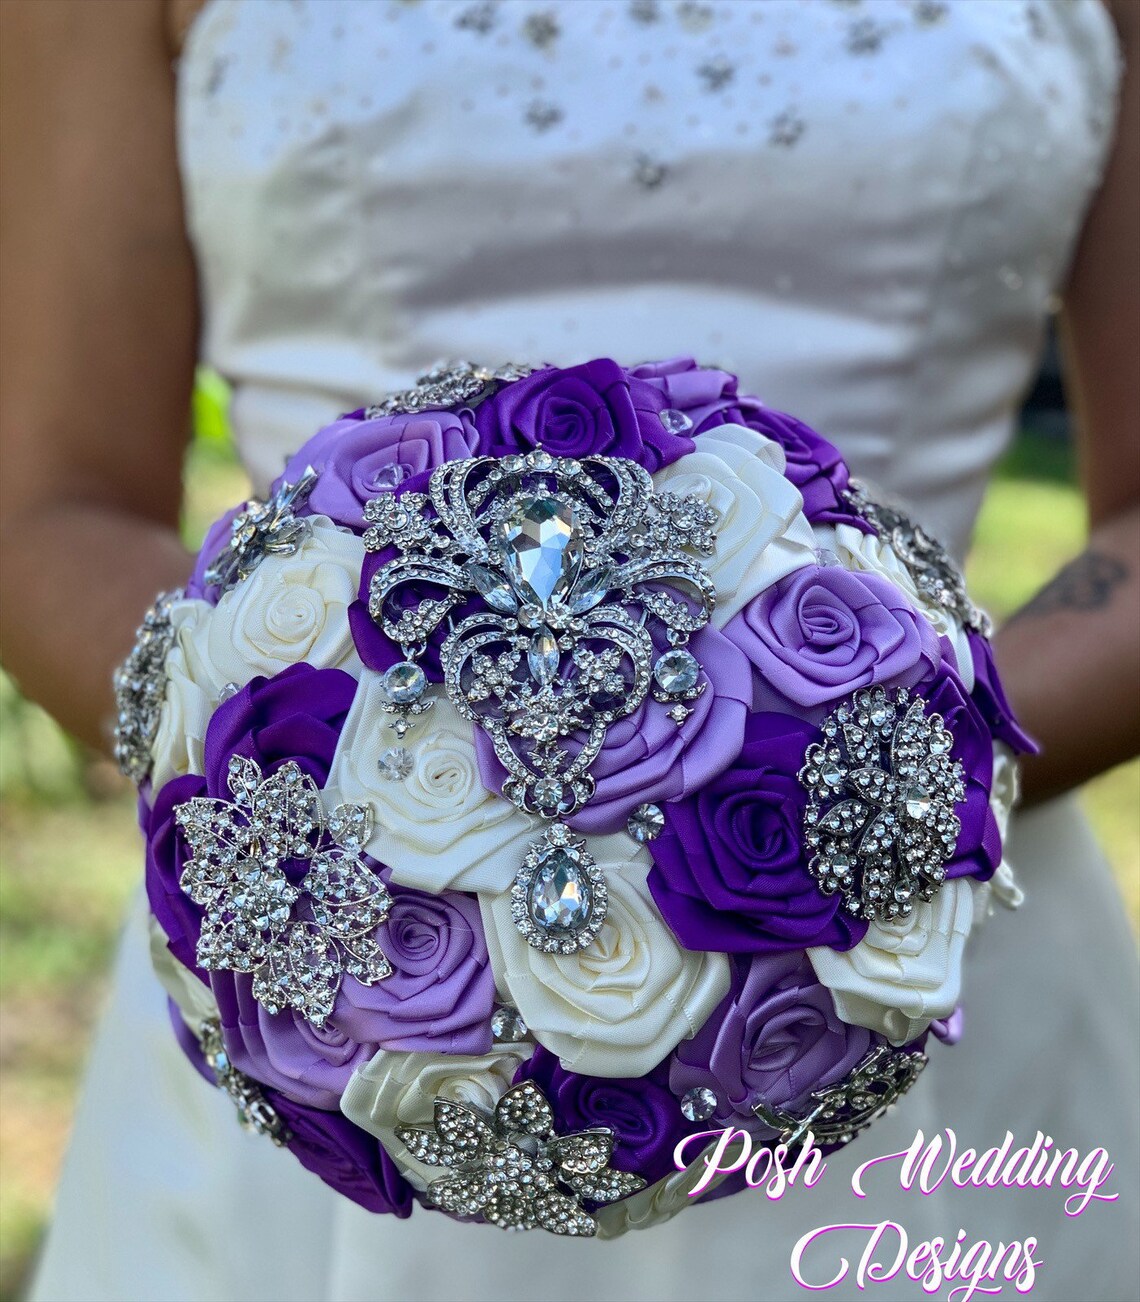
558 765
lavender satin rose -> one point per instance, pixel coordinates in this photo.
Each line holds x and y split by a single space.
776 1036
439 999
344 1156
823 632
646 756
596 409
706 394
360 459
643 1114
730 869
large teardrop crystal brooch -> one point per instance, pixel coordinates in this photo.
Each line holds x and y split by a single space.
568 590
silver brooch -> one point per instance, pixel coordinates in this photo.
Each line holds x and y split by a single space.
263 529
569 561
927 561
140 688
254 1110
511 1169
297 941
880 819
837 1113
448 385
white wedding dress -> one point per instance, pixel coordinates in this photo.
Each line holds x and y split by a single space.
865 210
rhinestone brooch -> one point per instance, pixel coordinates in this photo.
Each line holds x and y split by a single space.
929 564
298 940
140 688
254 1111
837 1113
263 529
882 788
511 1169
569 564
448 385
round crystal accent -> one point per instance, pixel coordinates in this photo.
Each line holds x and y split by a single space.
559 896
404 683
676 422
390 476
677 672
395 763
646 823
918 801
507 1025
698 1104
548 792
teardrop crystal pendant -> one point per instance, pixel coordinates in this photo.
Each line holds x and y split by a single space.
559 898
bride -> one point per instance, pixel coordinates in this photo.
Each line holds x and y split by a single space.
866 208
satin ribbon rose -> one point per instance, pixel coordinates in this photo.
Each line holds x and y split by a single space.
291 609
439 998
730 868
400 1089
359 459
596 409
905 972
618 1006
868 553
821 633
761 532
777 1036
439 828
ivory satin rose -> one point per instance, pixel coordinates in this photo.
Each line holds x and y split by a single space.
906 972
291 609
189 701
400 1089
761 531
619 1006
439 828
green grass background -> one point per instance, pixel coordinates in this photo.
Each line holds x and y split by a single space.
70 854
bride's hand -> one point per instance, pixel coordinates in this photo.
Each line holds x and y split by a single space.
1071 658
99 324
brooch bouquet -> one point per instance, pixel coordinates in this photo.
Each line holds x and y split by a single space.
557 764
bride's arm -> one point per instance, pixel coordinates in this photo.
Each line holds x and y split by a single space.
1071 657
99 324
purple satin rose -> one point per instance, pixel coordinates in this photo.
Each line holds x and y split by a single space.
990 698
346 1158
167 851
360 459
643 1114
815 466
822 632
646 756
595 409
217 536
978 851
295 715
439 999
776 1036
730 869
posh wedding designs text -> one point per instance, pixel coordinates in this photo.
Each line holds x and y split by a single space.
924 1166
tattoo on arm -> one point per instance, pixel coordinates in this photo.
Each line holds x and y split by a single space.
1085 584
